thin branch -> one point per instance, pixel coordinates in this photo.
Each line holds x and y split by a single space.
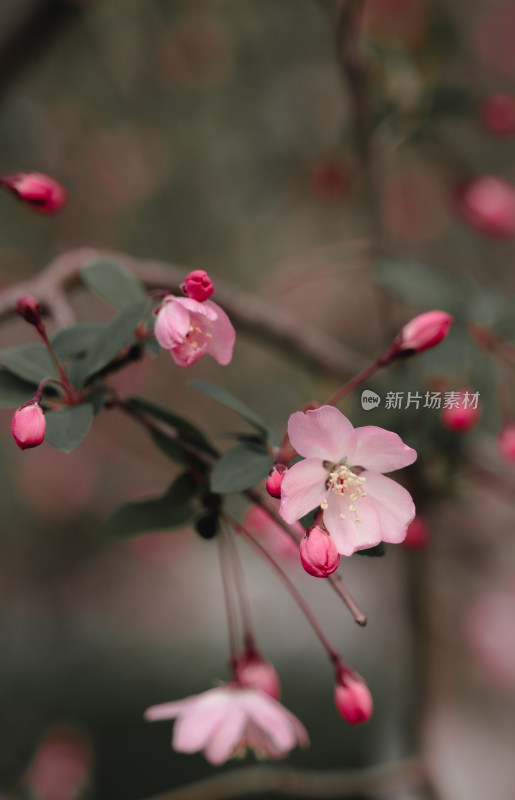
250 313
382 781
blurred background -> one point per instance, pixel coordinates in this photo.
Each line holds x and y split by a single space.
221 134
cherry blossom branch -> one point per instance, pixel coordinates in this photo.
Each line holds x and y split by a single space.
249 312
380 781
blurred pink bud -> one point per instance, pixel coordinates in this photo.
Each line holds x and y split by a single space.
463 416
61 765
198 285
274 480
318 553
488 205
29 308
418 534
423 332
28 426
261 524
329 180
498 114
506 442
254 671
43 193
353 699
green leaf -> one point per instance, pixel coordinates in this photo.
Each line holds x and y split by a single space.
31 362
112 338
229 400
373 552
75 340
113 282
170 448
13 390
66 428
415 283
184 428
174 509
239 468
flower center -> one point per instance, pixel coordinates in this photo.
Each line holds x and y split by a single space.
342 479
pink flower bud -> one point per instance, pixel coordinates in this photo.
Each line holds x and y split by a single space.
506 443
318 553
198 285
28 426
43 193
254 671
418 534
463 416
498 114
353 699
29 308
329 181
274 480
423 332
488 205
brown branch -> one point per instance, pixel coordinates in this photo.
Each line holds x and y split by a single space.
379 781
250 313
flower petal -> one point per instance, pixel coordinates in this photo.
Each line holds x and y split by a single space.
223 335
169 710
380 450
393 505
227 736
322 433
275 721
207 309
348 534
172 323
200 723
303 488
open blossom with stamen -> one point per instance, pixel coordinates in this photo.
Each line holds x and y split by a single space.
190 329
342 474
223 722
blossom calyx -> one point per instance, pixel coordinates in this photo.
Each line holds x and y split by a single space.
422 332
28 426
198 285
29 308
42 192
352 698
274 480
251 669
318 553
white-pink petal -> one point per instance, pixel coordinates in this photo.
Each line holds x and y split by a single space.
393 504
172 323
194 729
322 433
348 534
380 450
207 309
223 335
303 489
227 736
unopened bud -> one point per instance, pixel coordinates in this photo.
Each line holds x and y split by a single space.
422 332
506 443
462 417
29 308
198 285
488 205
318 553
498 114
417 535
43 193
353 699
28 426
252 670
274 480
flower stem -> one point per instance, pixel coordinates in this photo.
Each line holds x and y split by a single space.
229 604
241 591
356 380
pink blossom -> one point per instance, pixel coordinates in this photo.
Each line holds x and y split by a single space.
222 722
275 479
353 699
318 553
488 205
498 114
28 426
261 524
40 191
189 330
424 331
506 443
341 473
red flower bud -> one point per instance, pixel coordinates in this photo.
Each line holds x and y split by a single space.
423 332
353 699
43 193
28 426
29 308
461 418
198 285
498 114
318 553
488 205
274 480
506 443
417 535
251 669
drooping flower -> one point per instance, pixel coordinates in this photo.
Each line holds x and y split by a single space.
190 329
43 193
222 722
342 473
318 553
28 426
